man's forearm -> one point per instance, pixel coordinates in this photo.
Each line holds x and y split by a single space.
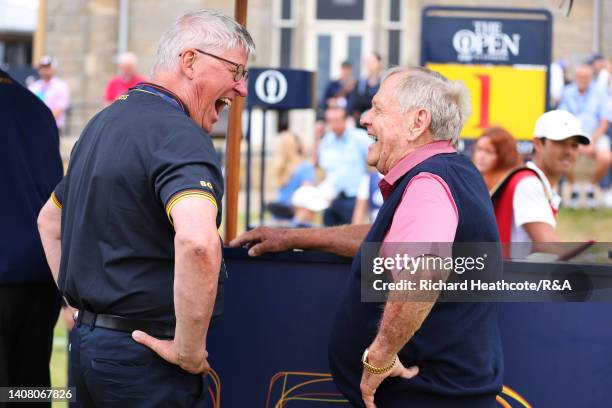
49 228
601 129
53 252
399 323
403 315
195 289
343 240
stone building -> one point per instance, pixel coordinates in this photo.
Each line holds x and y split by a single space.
86 35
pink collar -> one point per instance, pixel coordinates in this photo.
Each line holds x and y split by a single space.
410 161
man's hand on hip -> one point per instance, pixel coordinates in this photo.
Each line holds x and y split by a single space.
370 382
166 349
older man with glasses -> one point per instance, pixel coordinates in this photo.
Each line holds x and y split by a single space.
130 233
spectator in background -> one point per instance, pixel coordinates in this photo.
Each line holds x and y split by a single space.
292 170
30 166
583 99
52 90
495 154
526 202
342 155
558 80
601 72
369 199
126 79
367 86
340 93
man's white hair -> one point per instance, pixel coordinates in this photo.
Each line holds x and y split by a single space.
448 102
204 29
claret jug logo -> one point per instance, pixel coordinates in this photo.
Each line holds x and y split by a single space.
487 42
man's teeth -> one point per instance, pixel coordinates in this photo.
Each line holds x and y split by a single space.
375 138
226 101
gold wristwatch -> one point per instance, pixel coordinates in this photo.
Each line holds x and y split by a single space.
375 370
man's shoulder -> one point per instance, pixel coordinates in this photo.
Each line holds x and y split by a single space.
114 80
35 85
59 83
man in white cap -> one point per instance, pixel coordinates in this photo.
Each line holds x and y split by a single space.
526 203
53 91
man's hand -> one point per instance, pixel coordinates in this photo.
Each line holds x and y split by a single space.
166 349
67 314
371 382
264 239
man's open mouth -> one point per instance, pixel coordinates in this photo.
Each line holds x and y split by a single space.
221 103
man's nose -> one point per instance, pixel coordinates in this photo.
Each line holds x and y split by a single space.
365 118
241 88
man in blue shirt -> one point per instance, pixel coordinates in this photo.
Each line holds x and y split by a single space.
342 154
588 103
30 166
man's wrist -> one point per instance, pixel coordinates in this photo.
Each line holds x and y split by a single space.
378 357
377 368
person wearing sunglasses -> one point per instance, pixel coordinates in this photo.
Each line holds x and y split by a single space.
130 233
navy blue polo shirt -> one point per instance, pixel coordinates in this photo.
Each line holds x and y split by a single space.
133 162
30 166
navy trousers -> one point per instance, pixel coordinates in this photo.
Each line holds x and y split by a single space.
109 369
340 211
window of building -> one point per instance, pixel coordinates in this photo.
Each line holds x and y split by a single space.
340 9
287 24
393 26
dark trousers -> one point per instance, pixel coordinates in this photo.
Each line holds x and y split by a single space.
340 211
28 314
109 369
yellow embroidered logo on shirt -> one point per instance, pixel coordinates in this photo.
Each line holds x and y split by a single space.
206 184
122 97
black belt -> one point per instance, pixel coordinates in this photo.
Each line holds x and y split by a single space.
155 329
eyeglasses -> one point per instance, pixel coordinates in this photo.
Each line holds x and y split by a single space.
240 72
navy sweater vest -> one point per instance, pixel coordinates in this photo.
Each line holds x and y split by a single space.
458 348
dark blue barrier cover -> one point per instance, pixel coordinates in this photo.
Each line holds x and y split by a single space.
270 346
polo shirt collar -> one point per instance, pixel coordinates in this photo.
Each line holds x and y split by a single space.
166 94
410 161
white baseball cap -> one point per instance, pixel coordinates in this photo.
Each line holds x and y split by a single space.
560 125
311 198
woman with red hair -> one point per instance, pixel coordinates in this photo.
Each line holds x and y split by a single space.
495 155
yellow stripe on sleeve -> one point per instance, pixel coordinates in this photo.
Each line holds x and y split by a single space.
186 194
56 201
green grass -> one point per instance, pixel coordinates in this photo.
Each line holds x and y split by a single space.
59 359
582 225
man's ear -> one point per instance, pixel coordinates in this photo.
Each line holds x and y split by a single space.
422 120
537 144
186 62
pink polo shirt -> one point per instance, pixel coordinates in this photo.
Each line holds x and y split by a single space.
427 212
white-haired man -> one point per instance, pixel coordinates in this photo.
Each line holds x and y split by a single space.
415 353
127 78
138 252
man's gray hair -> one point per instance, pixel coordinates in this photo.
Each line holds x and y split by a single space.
448 102
204 29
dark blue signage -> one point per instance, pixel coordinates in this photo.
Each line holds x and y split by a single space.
275 88
496 36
